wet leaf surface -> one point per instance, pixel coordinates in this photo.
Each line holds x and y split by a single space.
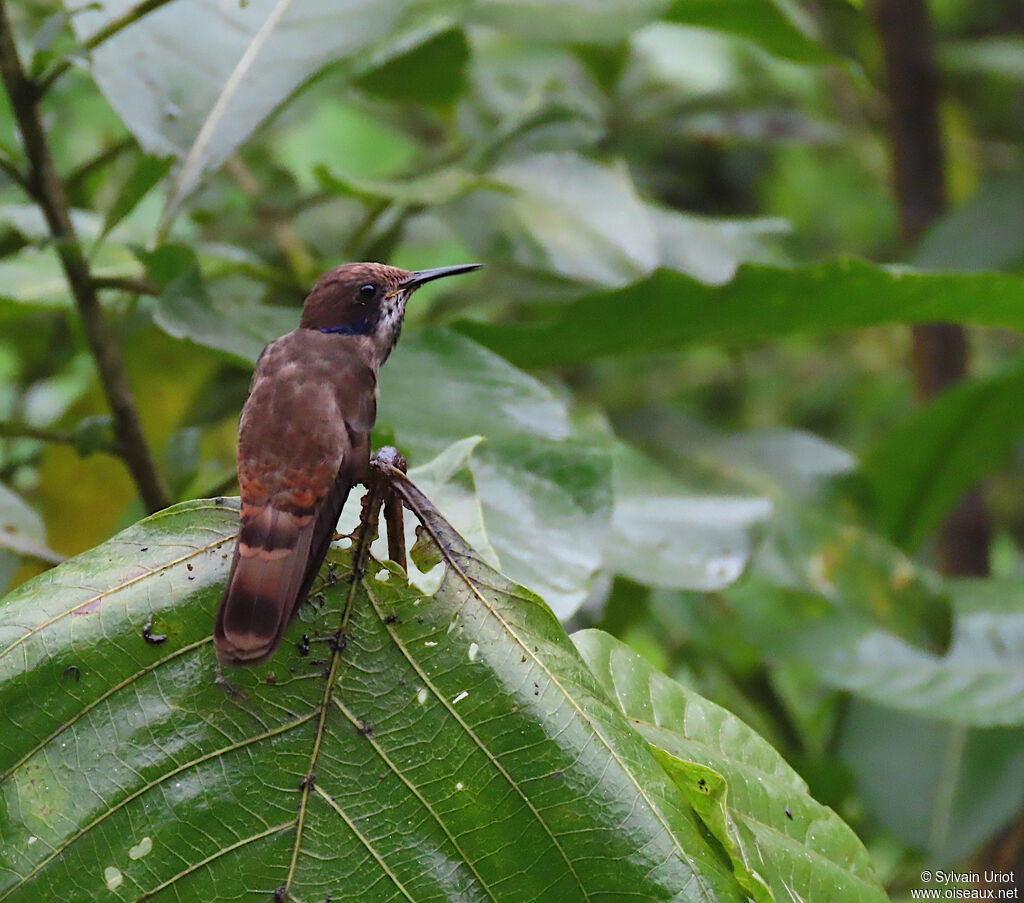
461 748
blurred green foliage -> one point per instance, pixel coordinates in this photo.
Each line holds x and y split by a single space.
686 356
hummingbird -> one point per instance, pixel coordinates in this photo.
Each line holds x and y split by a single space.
304 442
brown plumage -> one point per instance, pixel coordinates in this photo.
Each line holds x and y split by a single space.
303 442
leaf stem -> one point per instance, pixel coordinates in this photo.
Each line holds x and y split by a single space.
48 190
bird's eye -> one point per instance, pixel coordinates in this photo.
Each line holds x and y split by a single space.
366 292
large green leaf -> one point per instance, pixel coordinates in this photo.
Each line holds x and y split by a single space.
776 834
22 534
565 215
195 78
228 319
941 788
241 62
978 681
763 21
921 469
845 602
1000 55
667 533
579 219
449 747
148 173
669 310
545 492
568 20
986 232
22 530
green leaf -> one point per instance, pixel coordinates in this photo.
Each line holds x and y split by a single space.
546 507
30 223
243 61
849 605
545 492
574 218
148 172
526 92
448 481
978 682
670 310
918 473
856 573
231 320
707 792
581 21
372 148
668 534
432 73
22 530
33 277
776 834
94 433
999 55
986 232
940 788
711 249
767 23
461 748
579 219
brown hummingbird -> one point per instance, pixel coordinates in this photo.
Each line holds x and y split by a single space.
303 442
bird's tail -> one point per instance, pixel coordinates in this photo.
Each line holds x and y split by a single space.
267 573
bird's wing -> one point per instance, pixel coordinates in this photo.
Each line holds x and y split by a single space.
301 446
355 387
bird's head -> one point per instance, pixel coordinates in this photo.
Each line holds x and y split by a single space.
368 299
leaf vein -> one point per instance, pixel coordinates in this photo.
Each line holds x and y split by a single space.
472 734
199 760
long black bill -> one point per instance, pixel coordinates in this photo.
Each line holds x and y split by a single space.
421 276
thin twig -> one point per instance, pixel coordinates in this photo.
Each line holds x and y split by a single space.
93 41
74 179
126 284
48 190
9 167
15 429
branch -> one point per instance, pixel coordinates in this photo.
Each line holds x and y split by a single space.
93 41
48 191
940 349
14 429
